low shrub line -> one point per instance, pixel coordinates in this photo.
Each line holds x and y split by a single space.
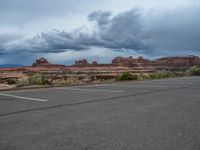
39 79
193 71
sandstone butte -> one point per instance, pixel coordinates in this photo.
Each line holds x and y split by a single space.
140 62
119 64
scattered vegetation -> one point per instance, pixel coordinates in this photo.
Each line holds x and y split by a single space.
127 76
22 82
162 74
39 79
147 76
11 82
67 81
194 71
36 79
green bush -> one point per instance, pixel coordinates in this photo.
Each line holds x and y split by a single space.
11 81
162 74
194 71
140 78
144 76
127 76
62 82
22 82
37 79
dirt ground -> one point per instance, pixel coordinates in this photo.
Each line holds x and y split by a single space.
6 86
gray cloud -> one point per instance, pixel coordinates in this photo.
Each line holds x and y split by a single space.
176 29
171 31
5 37
101 17
125 31
53 41
24 11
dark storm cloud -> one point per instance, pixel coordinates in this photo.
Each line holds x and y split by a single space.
102 18
53 41
121 31
118 32
174 30
124 31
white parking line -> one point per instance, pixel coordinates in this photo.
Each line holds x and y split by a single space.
136 85
90 90
150 85
21 97
128 85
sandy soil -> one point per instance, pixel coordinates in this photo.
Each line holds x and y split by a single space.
6 86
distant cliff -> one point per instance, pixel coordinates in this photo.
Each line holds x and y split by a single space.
175 62
10 65
186 61
43 62
140 62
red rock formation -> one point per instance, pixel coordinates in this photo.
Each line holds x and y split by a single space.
82 62
94 63
119 65
41 62
175 61
122 61
130 61
142 60
186 61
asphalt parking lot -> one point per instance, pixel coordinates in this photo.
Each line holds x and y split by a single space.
141 115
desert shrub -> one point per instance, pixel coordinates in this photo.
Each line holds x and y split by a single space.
180 73
193 71
37 79
11 81
162 74
22 82
140 78
127 76
46 82
144 76
68 81
61 82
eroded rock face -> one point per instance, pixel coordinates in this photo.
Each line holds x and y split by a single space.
186 61
140 62
122 61
130 61
94 63
41 62
82 62
174 62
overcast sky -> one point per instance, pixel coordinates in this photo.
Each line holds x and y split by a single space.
66 30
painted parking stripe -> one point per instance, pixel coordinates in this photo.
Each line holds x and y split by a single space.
90 90
149 85
25 98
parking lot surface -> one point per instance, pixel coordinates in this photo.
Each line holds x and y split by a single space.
140 115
